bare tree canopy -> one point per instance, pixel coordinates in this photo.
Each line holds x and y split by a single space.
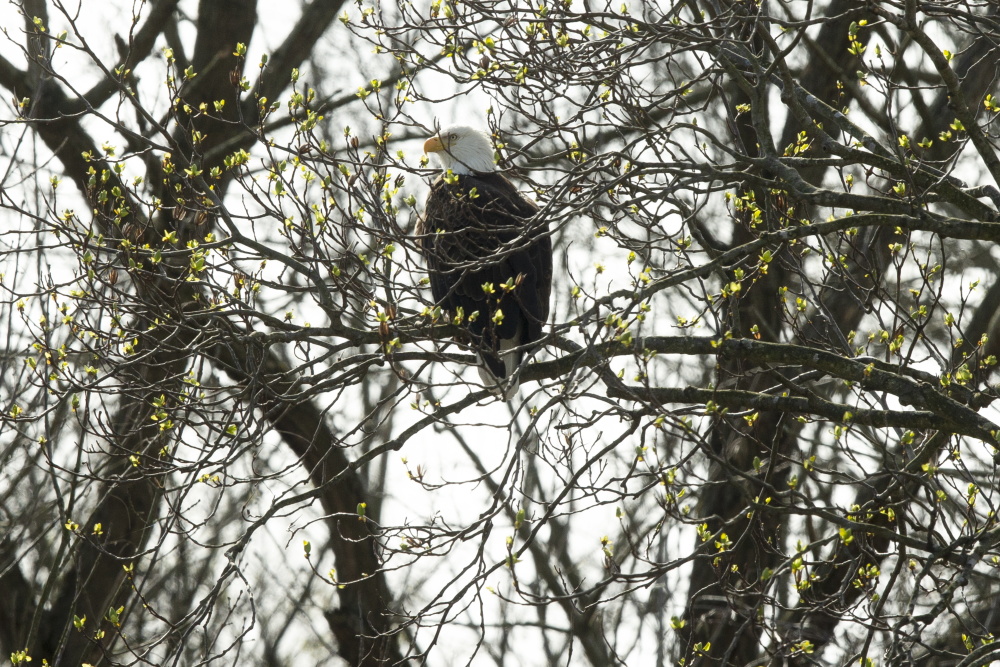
237 427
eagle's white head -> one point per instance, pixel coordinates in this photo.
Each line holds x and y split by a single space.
462 149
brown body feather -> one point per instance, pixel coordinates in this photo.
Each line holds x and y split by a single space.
475 231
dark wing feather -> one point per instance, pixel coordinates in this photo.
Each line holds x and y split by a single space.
530 256
475 232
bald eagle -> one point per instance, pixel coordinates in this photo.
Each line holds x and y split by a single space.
489 263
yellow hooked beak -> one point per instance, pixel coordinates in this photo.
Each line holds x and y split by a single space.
434 145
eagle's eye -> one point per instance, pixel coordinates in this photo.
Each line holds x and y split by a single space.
453 136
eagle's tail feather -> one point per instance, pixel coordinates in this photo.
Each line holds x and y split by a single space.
496 386
511 359
498 369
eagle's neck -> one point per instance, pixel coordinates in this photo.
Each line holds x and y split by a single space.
474 173
463 170
468 165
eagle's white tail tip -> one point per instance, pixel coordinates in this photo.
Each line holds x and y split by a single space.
511 361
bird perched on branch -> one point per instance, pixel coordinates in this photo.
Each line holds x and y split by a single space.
489 260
